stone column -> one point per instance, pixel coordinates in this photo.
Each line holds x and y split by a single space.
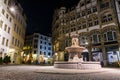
89 47
103 51
89 52
104 55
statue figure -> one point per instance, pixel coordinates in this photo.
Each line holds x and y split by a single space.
74 42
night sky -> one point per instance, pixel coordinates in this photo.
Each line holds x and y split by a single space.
40 12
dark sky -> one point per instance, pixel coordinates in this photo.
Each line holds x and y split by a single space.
39 13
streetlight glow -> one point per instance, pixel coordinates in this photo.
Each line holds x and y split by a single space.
86 43
12 9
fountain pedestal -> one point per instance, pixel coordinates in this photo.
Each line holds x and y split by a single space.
77 65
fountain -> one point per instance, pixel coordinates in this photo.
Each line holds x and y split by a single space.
75 58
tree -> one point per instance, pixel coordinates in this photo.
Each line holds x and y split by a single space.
1 60
6 59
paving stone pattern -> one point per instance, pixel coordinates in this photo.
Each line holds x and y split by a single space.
34 73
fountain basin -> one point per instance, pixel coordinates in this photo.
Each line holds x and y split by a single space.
74 49
77 65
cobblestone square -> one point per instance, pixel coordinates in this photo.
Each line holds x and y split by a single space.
25 72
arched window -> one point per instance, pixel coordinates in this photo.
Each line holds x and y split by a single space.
95 37
106 17
110 35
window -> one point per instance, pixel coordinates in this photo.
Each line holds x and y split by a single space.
40 46
90 24
109 17
34 51
96 22
49 48
40 41
89 11
49 53
3 11
104 5
82 4
94 9
44 53
84 26
15 27
110 36
35 45
78 15
36 35
40 52
10 19
9 30
7 42
5 27
79 27
7 16
45 42
106 18
1 23
83 13
45 48
35 40
88 1
95 38
3 41
41 37
49 43
5 1
15 42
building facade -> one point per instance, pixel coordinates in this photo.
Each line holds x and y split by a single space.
12 29
38 49
96 22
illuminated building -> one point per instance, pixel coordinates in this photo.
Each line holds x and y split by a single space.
96 22
12 29
40 48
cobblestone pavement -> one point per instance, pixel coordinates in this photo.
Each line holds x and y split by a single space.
25 72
